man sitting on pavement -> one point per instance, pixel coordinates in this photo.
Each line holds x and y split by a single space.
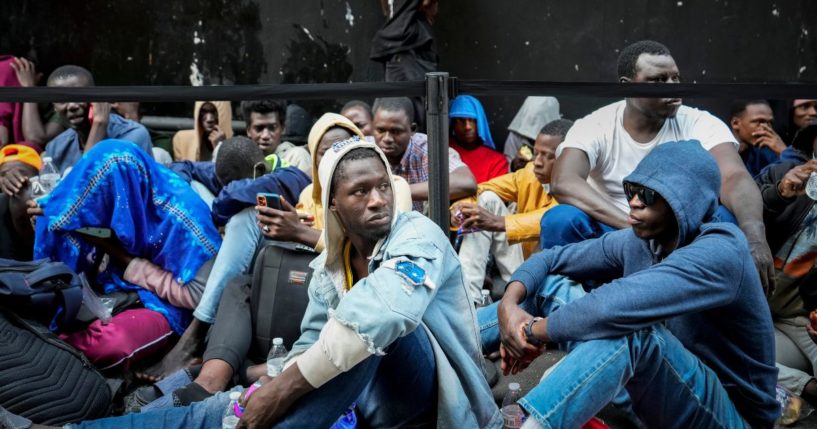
684 327
90 123
759 144
407 151
471 138
265 125
509 237
605 146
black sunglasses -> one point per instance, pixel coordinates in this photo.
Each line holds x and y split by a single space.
645 195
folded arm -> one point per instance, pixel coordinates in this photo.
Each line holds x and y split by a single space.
569 186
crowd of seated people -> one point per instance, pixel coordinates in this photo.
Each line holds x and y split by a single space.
669 249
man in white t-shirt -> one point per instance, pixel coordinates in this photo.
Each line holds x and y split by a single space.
605 146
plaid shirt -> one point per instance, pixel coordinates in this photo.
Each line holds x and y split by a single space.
414 166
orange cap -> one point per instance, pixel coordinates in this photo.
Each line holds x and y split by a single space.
18 152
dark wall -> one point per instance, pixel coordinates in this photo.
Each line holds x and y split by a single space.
711 40
271 41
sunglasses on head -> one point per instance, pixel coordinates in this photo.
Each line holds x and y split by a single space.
645 195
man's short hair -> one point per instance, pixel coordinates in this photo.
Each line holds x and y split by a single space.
395 104
263 107
739 106
558 127
237 159
352 155
629 55
359 104
69 71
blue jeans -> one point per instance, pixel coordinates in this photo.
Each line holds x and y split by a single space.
395 390
668 385
242 240
565 224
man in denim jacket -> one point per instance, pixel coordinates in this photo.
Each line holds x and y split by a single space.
388 324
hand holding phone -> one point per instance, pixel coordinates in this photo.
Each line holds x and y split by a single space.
269 199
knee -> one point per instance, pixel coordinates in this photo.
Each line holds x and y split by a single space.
490 201
563 217
130 336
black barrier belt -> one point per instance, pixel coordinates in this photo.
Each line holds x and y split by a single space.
228 93
410 89
621 90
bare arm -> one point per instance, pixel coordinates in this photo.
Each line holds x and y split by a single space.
741 196
461 184
99 126
569 186
33 128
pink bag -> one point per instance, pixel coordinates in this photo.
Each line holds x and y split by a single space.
131 335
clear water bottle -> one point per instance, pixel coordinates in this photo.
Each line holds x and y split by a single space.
484 298
37 190
275 359
230 420
49 175
811 186
512 415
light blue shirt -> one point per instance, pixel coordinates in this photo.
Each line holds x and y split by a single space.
66 151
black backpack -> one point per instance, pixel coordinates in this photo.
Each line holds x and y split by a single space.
45 379
279 293
40 290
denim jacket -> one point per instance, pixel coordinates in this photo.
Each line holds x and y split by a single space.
384 306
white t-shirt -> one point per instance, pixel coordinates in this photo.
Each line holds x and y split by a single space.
613 154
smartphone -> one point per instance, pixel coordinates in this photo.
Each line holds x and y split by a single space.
269 199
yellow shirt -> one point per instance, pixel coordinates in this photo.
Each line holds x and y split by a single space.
523 188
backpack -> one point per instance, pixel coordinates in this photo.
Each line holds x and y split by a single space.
40 290
44 379
279 293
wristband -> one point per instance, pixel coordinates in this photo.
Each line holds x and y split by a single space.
529 332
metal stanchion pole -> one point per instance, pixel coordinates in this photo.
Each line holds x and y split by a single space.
437 126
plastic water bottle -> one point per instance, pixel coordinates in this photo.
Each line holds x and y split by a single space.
275 359
512 415
37 190
484 298
230 420
811 186
49 175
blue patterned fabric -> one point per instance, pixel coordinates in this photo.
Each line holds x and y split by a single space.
153 212
466 106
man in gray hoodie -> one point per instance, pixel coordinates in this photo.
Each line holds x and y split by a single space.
683 326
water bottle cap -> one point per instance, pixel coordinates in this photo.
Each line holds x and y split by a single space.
234 396
47 159
513 386
278 341
485 292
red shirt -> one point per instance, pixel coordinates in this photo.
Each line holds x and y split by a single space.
484 162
